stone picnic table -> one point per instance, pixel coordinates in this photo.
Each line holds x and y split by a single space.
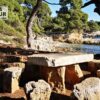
60 69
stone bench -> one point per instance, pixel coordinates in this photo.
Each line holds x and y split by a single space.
60 70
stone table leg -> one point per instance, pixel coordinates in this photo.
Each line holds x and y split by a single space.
73 75
55 77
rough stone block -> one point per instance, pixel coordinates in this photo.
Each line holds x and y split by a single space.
88 89
73 75
78 71
11 79
55 77
38 90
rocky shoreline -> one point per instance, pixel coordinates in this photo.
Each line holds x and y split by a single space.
78 38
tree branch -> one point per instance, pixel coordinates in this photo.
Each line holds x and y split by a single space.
51 3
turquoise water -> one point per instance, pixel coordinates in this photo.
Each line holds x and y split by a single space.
91 48
95 49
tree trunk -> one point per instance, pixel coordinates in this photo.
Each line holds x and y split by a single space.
30 22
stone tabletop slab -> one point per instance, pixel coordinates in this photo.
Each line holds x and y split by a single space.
59 59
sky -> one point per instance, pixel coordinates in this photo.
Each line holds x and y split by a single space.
89 10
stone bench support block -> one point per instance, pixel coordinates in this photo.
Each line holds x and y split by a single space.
55 77
11 79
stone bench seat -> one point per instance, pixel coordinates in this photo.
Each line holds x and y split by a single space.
59 59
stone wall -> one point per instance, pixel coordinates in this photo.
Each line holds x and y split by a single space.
43 44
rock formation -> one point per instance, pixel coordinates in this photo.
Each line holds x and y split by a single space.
38 90
89 89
